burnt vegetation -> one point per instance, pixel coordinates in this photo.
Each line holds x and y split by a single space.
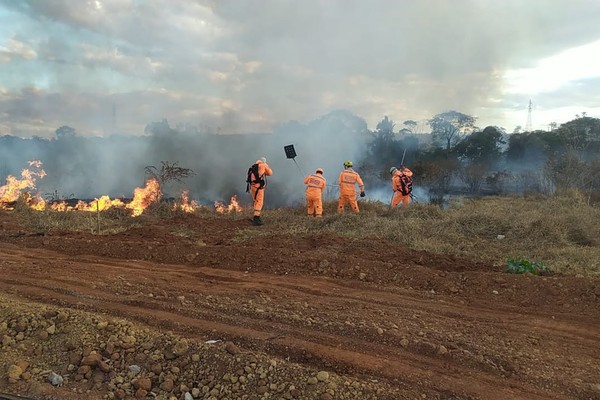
168 172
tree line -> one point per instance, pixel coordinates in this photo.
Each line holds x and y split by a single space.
457 156
449 154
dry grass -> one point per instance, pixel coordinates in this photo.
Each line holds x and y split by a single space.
110 221
561 231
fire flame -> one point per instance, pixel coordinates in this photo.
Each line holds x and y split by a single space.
143 197
233 206
61 206
186 204
15 187
101 204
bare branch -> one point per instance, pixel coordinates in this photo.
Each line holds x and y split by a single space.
168 172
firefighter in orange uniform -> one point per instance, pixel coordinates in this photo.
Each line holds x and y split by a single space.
348 179
315 184
401 185
258 188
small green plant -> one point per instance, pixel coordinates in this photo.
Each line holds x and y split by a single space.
522 266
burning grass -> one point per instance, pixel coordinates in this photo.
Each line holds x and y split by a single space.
106 222
561 231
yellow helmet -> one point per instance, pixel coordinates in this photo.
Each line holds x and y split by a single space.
347 164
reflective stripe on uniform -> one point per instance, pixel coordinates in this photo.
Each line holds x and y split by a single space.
316 181
349 177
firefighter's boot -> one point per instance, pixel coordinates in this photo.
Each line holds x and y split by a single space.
257 221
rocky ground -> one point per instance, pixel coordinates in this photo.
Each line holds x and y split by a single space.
195 308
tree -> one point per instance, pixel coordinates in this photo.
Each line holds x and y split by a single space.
569 171
161 128
473 175
436 171
411 126
384 150
65 132
450 126
481 146
580 133
342 121
385 129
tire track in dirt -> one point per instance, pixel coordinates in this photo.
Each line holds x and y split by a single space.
335 290
411 370
42 284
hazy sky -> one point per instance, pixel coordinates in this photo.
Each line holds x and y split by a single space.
248 65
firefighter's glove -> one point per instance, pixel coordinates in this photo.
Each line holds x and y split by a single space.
362 194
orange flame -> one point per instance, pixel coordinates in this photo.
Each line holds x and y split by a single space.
143 197
101 204
61 206
14 187
233 206
186 204
37 203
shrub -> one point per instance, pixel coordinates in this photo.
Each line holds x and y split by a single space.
522 266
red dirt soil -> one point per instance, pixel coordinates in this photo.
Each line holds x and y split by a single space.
423 323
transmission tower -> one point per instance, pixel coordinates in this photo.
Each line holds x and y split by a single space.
528 125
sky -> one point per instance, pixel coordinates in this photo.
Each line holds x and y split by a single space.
243 66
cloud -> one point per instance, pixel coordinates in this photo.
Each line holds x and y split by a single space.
279 60
15 48
555 71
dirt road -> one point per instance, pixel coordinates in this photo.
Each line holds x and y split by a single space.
413 324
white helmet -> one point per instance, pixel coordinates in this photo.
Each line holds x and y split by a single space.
392 170
263 159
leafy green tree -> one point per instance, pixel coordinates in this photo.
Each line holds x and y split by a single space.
533 146
581 133
448 127
436 169
481 146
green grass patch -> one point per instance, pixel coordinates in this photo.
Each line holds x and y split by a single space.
524 266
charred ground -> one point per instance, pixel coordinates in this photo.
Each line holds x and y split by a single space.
306 316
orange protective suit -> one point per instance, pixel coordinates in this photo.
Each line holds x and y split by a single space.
397 187
348 179
315 184
258 193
